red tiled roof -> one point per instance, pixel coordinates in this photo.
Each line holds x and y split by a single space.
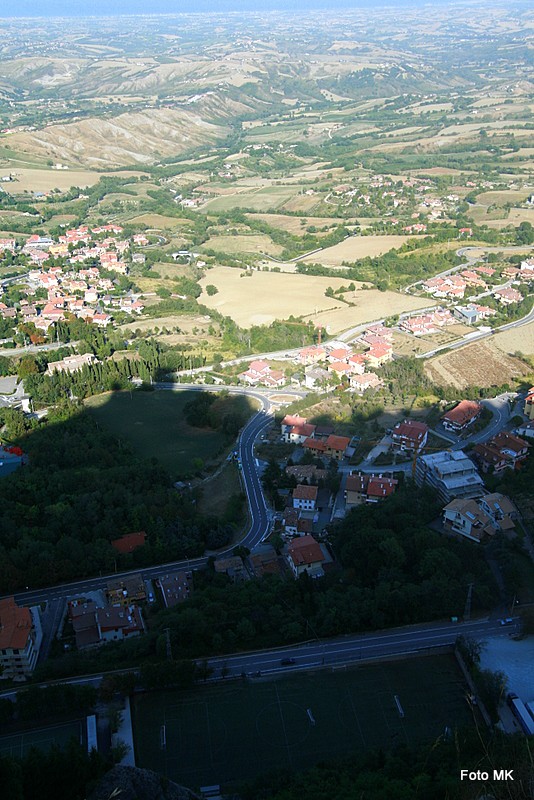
381 487
303 430
464 412
305 550
15 625
315 444
337 442
410 429
378 351
507 441
304 492
340 354
289 419
129 542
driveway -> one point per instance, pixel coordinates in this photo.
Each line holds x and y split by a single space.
382 447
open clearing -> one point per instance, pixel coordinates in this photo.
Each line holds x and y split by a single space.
266 296
303 202
369 304
355 247
500 198
297 225
186 324
217 491
236 731
44 180
253 243
260 200
406 345
517 340
160 221
478 364
153 424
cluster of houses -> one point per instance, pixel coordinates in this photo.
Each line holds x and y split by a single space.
302 554
259 373
319 440
423 324
327 364
310 498
455 285
82 292
337 359
116 614
469 509
383 191
436 320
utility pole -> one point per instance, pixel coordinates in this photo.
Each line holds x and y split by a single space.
467 611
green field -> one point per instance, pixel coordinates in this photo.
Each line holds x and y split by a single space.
236 731
153 424
18 745
259 199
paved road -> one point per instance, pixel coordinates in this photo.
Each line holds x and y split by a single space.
362 647
350 649
338 652
36 348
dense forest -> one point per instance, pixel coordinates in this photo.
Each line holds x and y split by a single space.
394 570
80 490
429 772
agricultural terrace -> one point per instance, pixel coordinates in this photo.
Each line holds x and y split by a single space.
153 424
478 364
236 731
354 248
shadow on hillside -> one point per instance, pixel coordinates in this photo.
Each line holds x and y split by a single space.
85 486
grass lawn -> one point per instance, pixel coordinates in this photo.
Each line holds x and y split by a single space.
153 424
218 489
235 731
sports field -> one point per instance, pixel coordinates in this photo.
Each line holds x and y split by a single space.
18 745
234 731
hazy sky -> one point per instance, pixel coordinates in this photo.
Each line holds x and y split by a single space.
43 8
